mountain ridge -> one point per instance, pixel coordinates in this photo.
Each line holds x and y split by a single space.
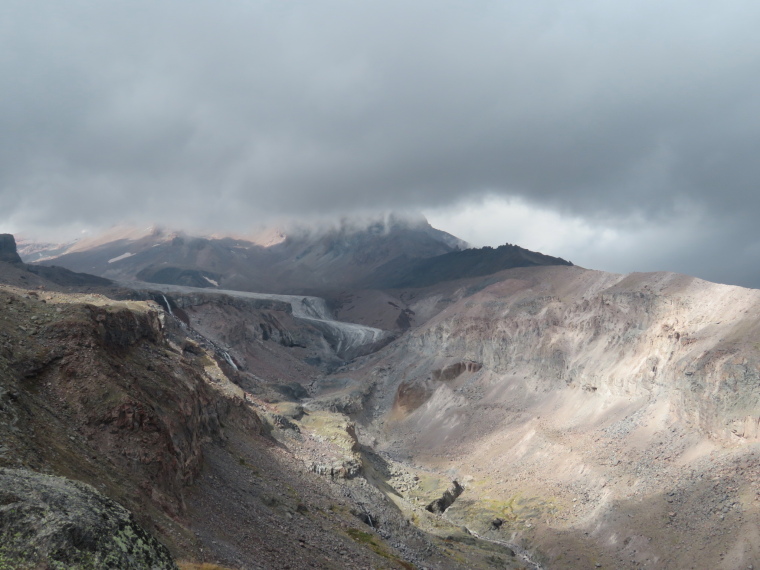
390 253
404 272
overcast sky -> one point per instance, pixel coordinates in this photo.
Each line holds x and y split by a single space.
620 135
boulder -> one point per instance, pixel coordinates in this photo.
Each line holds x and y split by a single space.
53 522
447 499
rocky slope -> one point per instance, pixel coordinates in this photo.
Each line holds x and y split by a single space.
130 398
538 417
603 419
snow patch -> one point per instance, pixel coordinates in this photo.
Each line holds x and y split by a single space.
120 257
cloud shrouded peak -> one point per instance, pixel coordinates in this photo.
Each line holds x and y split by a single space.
229 115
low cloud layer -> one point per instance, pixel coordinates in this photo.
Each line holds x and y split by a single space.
641 119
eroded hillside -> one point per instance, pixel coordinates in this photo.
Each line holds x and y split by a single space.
600 419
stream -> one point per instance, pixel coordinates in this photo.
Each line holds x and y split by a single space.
519 552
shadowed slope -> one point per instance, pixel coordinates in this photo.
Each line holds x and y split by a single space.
404 272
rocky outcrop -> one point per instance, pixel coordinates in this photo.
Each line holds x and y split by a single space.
455 370
338 470
53 522
340 457
99 382
8 252
447 499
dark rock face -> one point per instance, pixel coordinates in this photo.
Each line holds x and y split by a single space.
8 251
449 496
53 522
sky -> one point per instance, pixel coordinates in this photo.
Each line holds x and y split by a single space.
622 136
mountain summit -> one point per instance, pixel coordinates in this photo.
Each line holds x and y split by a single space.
380 253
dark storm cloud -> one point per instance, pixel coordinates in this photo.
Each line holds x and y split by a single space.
224 113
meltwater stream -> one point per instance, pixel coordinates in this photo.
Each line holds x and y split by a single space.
168 306
519 552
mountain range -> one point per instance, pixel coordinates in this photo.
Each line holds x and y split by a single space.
371 396
387 253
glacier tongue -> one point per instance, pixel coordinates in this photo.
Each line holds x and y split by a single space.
345 338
